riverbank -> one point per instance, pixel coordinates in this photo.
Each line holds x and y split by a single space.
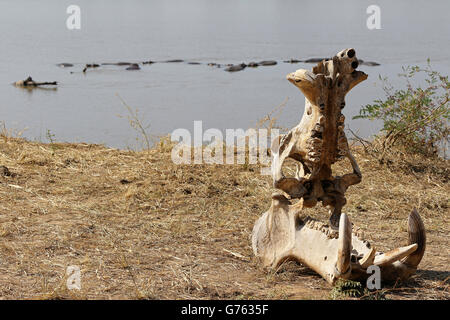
141 227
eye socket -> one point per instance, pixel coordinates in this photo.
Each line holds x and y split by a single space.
298 80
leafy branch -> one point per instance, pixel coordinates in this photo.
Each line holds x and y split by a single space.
415 118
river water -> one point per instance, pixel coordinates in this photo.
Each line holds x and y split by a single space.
87 108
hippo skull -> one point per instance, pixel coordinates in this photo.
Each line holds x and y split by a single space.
318 141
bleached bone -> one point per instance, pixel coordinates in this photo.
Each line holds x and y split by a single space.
319 139
368 258
344 246
280 234
394 255
316 143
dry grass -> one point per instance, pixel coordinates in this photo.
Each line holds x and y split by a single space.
141 227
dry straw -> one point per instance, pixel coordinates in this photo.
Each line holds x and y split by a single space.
141 227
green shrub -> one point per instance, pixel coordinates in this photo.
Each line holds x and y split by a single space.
414 118
344 289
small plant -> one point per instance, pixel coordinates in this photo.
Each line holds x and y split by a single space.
353 289
347 289
374 295
269 121
50 136
414 118
6 134
137 124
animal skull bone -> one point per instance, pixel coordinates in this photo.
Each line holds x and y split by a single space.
319 139
316 143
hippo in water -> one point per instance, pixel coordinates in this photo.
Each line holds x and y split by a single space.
30 83
174 60
90 65
267 63
134 66
236 67
371 63
65 65
315 60
217 65
253 64
117 64
368 63
292 61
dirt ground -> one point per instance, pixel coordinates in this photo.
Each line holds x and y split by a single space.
140 227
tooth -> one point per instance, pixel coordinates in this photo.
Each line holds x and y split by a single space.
368 258
315 141
416 232
321 120
394 255
344 245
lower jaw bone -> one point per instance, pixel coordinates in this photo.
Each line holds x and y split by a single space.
280 235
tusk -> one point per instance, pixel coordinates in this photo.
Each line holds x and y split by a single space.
368 258
410 256
394 255
344 245
416 232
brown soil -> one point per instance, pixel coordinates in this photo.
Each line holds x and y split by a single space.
141 227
